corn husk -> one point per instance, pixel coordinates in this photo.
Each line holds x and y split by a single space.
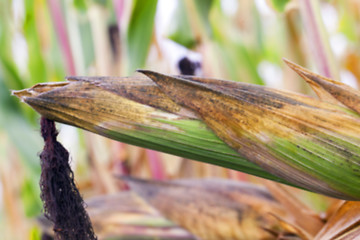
283 136
115 108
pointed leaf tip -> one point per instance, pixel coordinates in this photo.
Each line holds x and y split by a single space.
21 94
305 73
17 93
324 87
155 76
169 84
146 72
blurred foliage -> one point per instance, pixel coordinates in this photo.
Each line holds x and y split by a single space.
140 32
180 29
243 42
279 5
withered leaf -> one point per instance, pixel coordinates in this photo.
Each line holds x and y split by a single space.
126 216
214 209
343 224
323 86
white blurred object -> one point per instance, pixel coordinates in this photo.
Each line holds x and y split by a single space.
69 138
164 12
229 7
18 9
271 74
19 47
268 15
19 50
330 17
348 78
338 43
171 50
264 9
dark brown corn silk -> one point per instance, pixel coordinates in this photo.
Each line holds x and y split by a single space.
63 204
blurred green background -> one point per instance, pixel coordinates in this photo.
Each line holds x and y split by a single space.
43 41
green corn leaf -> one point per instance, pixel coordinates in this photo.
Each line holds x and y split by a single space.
279 5
140 31
180 30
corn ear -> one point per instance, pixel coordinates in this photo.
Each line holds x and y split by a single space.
288 137
308 142
113 107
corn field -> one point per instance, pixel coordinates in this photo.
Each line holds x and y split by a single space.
217 119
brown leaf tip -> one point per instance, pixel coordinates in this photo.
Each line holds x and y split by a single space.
304 73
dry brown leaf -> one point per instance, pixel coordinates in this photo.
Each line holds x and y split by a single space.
345 221
303 217
125 216
214 210
324 86
291 231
